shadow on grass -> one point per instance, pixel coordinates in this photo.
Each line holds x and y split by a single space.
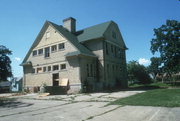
12 103
144 87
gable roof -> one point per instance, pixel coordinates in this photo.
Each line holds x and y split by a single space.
69 36
73 39
92 32
96 32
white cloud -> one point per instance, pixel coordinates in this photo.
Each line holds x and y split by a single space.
144 61
17 59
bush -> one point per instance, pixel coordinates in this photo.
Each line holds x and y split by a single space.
138 72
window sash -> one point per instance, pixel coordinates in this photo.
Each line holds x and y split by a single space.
34 52
54 48
47 52
55 67
61 46
63 66
40 51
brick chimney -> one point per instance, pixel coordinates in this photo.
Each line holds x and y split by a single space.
70 24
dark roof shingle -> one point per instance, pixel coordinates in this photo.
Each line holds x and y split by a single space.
93 32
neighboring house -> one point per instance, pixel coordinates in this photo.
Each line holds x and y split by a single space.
16 84
94 56
5 86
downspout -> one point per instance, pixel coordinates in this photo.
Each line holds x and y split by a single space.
24 80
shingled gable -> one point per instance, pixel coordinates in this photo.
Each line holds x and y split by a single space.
69 36
93 32
97 32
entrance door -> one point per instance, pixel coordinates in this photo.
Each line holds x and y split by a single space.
55 79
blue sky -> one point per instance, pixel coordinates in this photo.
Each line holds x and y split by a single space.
21 21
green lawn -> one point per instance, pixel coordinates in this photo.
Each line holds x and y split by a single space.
149 86
157 97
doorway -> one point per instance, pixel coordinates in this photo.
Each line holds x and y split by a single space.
55 79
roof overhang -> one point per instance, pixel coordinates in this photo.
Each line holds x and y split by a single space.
26 63
77 53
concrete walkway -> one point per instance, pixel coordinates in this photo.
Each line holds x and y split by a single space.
80 107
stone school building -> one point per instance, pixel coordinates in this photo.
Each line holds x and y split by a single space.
93 57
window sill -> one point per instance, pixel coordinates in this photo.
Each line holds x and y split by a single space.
34 55
61 49
53 51
46 57
63 70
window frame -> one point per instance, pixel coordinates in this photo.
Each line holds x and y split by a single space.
54 69
39 70
49 68
53 48
48 35
107 51
87 69
47 53
114 35
34 53
63 67
44 69
61 45
40 50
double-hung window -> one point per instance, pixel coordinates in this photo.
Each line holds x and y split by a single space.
47 52
61 46
53 48
40 51
34 53
63 66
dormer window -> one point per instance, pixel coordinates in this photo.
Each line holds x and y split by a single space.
47 35
114 34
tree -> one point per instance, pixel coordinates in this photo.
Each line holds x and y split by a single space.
167 43
137 72
154 68
5 67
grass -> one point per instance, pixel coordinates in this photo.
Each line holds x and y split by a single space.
148 86
157 97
